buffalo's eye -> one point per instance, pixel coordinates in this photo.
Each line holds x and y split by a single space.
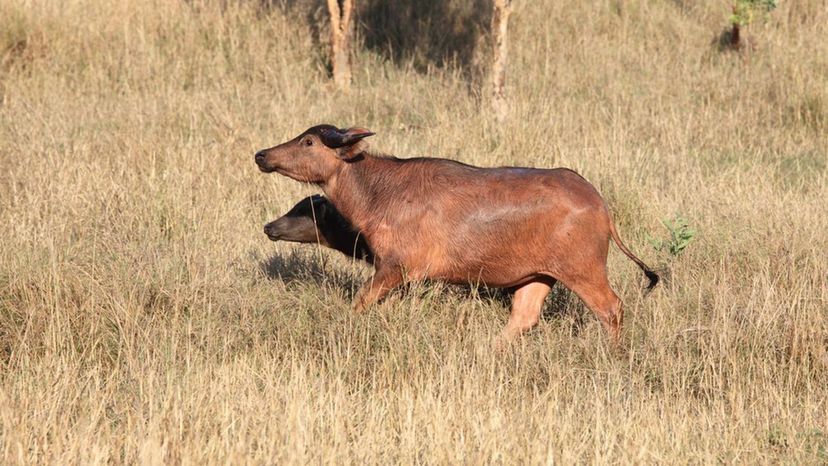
309 142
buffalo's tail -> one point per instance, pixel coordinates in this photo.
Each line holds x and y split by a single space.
652 276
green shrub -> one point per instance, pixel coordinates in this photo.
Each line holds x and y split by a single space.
681 235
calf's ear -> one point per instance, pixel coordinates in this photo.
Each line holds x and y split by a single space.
348 142
355 134
358 146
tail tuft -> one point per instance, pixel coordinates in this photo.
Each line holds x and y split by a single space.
654 278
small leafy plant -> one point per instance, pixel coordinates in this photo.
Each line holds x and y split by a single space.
816 443
744 12
681 235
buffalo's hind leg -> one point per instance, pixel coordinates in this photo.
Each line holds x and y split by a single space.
595 291
526 309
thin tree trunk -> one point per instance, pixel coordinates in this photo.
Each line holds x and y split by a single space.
341 12
500 23
735 37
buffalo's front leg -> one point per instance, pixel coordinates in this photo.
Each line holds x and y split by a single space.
384 279
526 309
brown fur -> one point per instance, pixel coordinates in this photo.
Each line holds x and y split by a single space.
441 219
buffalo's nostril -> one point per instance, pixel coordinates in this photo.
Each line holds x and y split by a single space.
271 232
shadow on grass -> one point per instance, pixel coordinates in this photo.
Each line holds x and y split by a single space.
563 303
423 33
302 268
294 268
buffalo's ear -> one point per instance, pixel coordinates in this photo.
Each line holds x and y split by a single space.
319 203
355 134
348 142
358 146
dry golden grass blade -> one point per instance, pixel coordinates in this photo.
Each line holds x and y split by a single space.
144 317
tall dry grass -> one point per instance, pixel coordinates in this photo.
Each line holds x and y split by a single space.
144 317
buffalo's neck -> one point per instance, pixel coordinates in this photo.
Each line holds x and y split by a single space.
363 191
345 239
355 247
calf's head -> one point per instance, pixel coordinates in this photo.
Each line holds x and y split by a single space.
300 223
315 155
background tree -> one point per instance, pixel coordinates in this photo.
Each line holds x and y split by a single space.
500 24
341 12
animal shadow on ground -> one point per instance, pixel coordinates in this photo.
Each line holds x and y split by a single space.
294 267
561 303
297 267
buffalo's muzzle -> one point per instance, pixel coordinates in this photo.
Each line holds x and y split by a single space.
272 232
260 161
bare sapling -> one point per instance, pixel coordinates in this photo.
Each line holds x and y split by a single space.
341 12
500 24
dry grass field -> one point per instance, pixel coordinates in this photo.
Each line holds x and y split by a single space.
145 318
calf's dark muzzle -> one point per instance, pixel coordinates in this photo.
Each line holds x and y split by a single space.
260 161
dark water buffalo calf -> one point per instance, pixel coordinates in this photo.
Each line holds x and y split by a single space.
315 220
430 218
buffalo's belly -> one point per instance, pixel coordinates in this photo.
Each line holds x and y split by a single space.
494 278
496 265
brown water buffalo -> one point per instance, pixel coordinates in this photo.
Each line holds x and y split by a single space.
315 220
431 218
